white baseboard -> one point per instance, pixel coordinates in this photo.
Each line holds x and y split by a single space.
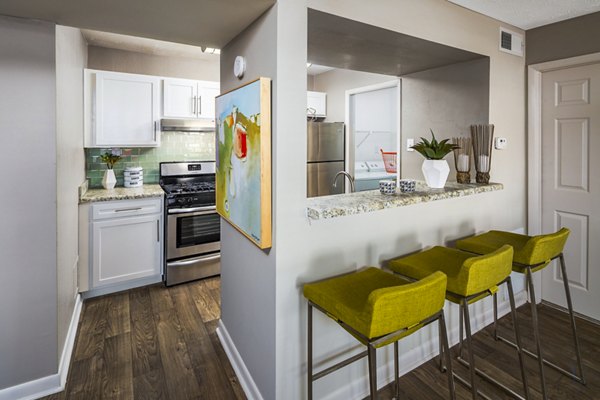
52 383
246 381
414 358
65 358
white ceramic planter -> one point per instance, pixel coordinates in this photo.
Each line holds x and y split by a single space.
435 173
109 181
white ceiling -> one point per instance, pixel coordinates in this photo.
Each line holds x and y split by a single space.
314 69
528 14
146 46
207 23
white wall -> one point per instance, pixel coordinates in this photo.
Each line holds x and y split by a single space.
71 59
306 251
28 310
103 58
247 273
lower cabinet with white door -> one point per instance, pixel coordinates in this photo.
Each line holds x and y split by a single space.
120 245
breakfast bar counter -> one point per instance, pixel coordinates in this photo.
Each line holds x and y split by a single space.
327 207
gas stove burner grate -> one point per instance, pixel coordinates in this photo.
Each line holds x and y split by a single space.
189 187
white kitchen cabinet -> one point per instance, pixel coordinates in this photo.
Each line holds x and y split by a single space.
316 104
124 241
207 91
184 98
121 109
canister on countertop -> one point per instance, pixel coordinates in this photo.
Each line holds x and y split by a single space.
134 177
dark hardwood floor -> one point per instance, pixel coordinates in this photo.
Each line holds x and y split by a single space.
152 343
501 361
160 343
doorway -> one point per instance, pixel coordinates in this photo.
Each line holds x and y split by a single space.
564 188
373 124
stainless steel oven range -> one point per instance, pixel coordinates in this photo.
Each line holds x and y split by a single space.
192 225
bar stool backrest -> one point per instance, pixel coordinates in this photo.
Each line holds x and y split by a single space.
398 307
543 248
487 271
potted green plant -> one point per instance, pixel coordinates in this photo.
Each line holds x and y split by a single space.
435 168
110 159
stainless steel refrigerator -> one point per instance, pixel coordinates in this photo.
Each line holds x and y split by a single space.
326 150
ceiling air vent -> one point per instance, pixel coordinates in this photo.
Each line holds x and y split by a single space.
511 42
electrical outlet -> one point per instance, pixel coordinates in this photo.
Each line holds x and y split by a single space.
410 142
500 143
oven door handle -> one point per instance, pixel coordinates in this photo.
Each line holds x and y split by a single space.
212 257
190 210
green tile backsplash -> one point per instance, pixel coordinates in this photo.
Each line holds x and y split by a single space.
174 146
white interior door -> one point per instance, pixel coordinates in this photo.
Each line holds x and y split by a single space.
374 121
571 182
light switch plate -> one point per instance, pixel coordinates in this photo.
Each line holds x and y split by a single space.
410 142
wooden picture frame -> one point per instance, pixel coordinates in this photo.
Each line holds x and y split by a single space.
243 165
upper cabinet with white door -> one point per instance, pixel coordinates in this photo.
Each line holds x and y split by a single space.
316 104
184 98
121 109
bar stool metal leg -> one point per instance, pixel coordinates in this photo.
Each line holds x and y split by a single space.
372 352
467 320
441 356
495 297
520 352
396 372
446 350
572 316
513 312
460 332
536 332
309 363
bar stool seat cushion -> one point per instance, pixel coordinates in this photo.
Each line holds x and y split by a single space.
535 251
467 274
376 303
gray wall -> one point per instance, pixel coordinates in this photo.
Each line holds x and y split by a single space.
148 64
570 38
337 81
247 273
71 58
28 312
447 100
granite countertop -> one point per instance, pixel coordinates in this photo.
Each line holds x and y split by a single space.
362 202
121 193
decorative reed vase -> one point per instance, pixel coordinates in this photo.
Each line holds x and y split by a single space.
435 173
109 180
482 137
462 159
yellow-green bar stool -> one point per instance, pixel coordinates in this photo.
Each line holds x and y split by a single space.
532 254
377 308
470 279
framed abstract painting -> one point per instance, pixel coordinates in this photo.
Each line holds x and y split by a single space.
243 178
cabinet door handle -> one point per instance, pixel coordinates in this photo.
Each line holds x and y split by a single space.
158 231
195 104
199 105
128 209
155 129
